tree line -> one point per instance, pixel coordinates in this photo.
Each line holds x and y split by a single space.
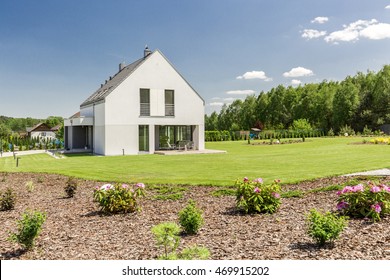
359 101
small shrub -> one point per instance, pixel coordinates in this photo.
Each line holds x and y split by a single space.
40 179
7 199
190 218
325 227
253 196
29 227
30 186
71 187
331 132
119 198
194 253
167 237
371 201
346 131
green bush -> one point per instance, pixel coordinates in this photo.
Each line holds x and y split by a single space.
325 227
194 253
253 196
167 237
29 227
119 198
7 199
190 218
70 187
30 186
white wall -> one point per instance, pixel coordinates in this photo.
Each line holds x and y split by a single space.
122 106
99 130
48 134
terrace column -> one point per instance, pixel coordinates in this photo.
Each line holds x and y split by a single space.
152 139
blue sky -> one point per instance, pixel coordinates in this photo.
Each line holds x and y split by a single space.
54 54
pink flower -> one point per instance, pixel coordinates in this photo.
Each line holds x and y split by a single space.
347 189
246 179
106 187
97 187
125 186
386 188
140 185
276 195
376 207
258 180
256 190
338 192
358 188
375 189
342 205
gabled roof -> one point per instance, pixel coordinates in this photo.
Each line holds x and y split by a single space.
39 127
111 84
119 77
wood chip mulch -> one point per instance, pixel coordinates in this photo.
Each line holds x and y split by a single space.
76 230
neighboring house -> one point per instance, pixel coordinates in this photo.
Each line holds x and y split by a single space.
42 131
145 107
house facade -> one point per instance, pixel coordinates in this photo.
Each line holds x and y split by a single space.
42 131
147 106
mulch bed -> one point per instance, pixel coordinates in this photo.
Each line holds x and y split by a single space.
75 229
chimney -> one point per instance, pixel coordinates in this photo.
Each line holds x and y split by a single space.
147 51
121 66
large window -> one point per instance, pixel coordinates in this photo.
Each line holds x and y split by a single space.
144 102
143 133
169 102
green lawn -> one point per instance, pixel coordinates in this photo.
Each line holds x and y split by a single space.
317 157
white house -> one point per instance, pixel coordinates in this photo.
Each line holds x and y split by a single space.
42 131
147 106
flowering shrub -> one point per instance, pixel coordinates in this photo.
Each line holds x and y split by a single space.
254 196
324 227
364 201
380 140
119 197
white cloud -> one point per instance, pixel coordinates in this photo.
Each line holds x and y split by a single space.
298 72
354 30
312 33
254 75
387 7
295 82
320 20
216 98
239 92
230 99
216 103
376 32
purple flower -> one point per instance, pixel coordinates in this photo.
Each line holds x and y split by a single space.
246 179
258 180
256 190
375 189
342 205
376 207
276 195
125 186
140 185
386 188
338 192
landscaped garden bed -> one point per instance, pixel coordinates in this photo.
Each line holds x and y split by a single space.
75 228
